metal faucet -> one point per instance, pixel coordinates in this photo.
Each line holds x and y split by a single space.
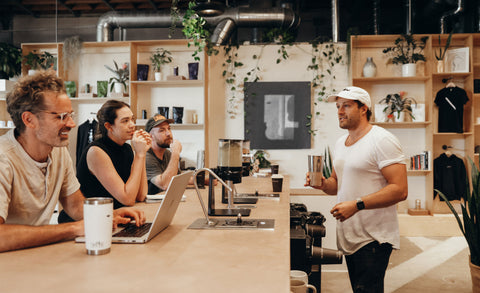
205 212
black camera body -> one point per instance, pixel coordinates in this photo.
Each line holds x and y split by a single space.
306 251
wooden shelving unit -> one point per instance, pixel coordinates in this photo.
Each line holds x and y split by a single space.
142 95
428 81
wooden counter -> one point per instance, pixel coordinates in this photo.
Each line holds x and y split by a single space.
176 260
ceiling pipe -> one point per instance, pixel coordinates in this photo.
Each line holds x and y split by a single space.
408 26
227 22
450 13
335 26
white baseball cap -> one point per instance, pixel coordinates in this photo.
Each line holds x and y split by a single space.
353 93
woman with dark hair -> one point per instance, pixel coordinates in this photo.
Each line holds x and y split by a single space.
110 167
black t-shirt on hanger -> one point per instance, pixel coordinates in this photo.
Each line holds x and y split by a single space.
450 102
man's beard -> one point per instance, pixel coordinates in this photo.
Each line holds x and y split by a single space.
163 145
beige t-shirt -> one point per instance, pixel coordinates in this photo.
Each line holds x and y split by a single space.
29 191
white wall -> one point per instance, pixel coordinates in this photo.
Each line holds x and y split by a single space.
292 162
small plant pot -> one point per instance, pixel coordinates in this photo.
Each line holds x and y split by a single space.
32 71
158 76
440 66
409 70
118 87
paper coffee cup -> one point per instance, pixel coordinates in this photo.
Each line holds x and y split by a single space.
98 220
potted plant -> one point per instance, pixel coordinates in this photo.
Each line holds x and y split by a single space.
398 103
47 61
470 226
160 57
441 53
121 77
32 60
10 61
407 51
260 160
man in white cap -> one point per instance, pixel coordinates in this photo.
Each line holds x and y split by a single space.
369 177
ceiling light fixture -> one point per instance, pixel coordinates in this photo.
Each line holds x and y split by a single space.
209 8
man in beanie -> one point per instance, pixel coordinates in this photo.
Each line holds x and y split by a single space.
369 177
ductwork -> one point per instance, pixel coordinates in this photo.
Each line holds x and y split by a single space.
451 13
225 23
335 26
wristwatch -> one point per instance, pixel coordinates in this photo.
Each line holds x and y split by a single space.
360 204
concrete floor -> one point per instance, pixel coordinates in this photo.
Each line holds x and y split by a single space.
423 264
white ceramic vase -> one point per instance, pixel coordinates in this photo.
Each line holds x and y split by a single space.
158 76
118 87
369 69
409 70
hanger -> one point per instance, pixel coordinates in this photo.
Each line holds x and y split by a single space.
447 152
92 117
450 84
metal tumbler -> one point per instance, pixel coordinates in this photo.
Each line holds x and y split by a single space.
315 169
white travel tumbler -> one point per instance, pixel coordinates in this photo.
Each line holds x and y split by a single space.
98 219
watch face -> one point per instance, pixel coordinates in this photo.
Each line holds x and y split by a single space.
360 204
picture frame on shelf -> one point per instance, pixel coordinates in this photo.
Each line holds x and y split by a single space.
457 60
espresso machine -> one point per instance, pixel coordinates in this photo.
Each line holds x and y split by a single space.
230 171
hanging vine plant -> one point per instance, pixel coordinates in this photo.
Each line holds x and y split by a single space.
281 36
175 16
195 29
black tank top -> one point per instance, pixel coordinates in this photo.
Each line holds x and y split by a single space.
122 159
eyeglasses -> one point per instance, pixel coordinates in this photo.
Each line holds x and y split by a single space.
62 116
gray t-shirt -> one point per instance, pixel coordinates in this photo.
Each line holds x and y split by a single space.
156 166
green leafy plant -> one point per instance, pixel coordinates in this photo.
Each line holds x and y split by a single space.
470 226
195 29
32 60
175 16
325 55
327 163
47 60
261 156
406 50
281 36
441 53
39 61
121 75
160 57
10 61
398 103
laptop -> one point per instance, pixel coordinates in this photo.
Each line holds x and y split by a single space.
164 216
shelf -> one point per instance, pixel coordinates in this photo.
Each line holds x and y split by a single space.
179 126
451 74
402 124
170 83
102 99
418 172
391 79
452 134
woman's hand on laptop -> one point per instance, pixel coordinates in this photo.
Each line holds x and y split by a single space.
126 215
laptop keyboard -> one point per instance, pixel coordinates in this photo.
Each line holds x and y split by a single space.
131 230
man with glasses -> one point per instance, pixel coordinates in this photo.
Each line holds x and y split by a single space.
36 170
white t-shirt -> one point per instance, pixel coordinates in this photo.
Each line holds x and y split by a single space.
358 168
29 190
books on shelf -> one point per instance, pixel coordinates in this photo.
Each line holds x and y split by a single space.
421 161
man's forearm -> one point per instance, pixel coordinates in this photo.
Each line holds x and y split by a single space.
13 237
